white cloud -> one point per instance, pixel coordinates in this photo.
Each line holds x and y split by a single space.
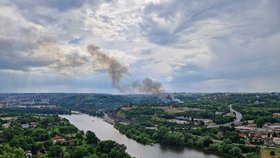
198 43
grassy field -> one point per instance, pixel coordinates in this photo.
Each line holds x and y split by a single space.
265 153
173 110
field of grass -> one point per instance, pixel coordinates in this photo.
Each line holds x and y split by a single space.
265 153
174 110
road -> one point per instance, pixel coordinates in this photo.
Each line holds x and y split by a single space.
238 115
237 120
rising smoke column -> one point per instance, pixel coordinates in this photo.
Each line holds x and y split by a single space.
118 71
115 69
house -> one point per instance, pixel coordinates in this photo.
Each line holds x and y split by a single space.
245 129
179 121
58 138
276 140
24 125
264 132
276 114
275 128
6 125
182 118
269 142
252 125
251 121
242 135
255 135
34 124
218 113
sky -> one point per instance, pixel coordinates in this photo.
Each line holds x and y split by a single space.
186 45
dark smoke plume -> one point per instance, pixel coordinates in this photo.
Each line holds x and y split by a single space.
147 86
117 71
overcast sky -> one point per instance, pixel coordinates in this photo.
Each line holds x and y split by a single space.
187 45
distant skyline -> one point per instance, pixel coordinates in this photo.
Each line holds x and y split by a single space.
187 46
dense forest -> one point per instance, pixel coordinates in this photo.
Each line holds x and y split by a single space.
192 138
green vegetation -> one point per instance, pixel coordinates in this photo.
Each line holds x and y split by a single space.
138 133
147 119
183 137
51 136
177 125
31 110
260 113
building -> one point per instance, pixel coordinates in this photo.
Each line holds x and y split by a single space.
264 132
34 124
242 135
179 121
275 128
6 125
58 138
276 140
251 121
276 114
218 113
25 125
245 129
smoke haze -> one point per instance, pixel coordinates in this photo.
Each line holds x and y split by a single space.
115 69
118 71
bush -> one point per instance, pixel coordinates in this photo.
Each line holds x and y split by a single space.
272 153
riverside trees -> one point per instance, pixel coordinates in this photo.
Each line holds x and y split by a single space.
17 141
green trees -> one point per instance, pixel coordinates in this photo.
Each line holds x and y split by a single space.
18 142
207 141
91 138
259 122
174 138
9 133
38 139
136 132
272 153
235 151
161 131
31 110
40 134
55 151
68 129
80 151
112 149
66 155
216 147
11 152
226 148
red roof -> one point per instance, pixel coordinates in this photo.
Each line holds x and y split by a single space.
58 138
242 135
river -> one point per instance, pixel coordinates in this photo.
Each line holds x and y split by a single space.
106 131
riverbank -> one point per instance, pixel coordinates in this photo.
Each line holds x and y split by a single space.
106 131
107 119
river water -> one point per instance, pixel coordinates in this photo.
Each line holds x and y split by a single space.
106 131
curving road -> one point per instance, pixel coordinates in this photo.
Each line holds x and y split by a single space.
237 120
238 115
